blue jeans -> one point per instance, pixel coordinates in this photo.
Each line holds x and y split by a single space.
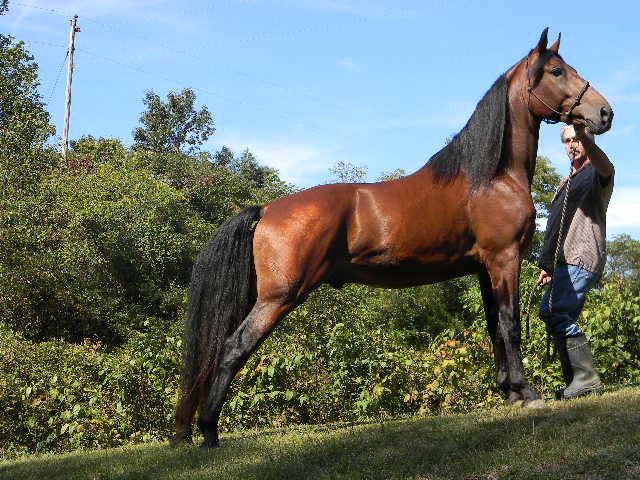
571 284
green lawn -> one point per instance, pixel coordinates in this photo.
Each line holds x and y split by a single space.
593 438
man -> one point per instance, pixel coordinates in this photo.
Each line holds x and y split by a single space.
580 259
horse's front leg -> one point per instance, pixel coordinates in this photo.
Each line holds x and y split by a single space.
504 274
499 353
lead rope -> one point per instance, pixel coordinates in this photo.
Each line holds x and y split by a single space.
559 243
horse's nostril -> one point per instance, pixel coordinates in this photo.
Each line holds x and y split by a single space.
605 114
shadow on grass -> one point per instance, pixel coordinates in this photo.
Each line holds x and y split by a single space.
594 438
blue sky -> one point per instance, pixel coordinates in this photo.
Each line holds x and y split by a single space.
305 84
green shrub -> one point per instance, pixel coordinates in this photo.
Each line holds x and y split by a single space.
58 397
98 254
337 357
611 320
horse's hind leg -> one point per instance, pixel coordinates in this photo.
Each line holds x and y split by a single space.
264 316
184 417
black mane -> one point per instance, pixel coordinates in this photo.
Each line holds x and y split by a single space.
478 146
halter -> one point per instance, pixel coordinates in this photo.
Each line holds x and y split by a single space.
576 101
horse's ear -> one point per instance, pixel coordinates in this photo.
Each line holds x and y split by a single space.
542 43
556 45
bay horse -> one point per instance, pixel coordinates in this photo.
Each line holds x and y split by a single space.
467 211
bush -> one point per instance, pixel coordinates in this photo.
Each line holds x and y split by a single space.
96 255
59 397
337 357
611 320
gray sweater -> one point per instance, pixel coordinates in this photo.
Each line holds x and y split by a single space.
585 223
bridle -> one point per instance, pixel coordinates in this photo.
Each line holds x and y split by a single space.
567 114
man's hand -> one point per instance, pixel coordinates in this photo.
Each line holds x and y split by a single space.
544 278
597 157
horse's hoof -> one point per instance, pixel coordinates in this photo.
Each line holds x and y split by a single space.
210 444
180 439
537 403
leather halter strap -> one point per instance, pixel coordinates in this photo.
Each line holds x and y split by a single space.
567 114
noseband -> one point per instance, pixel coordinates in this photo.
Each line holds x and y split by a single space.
576 101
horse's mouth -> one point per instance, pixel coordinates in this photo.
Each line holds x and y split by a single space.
598 128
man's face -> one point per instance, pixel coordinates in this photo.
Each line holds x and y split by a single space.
574 148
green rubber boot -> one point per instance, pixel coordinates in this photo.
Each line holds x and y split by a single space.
577 367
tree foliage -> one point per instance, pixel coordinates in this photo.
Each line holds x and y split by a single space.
623 262
543 188
173 126
347 172
24 122
392 175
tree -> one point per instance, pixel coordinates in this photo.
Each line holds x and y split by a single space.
247 165
392 175
623 261
543 188
223 158
24 123
347 172
173 126
89 151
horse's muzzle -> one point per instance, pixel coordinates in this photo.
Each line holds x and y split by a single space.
601 124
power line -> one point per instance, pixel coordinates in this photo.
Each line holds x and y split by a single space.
199 90
156 75
206 61
58 76
35 7
48 44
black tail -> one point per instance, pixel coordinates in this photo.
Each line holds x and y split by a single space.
221 295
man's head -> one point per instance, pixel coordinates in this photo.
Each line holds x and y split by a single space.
574 148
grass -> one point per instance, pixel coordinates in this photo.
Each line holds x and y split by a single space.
592 438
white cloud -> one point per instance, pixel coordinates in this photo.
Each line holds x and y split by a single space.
298 163
541 223
622 214
622 86
623 209
347 64
456 114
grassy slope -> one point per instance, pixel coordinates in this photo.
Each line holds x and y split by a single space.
590 438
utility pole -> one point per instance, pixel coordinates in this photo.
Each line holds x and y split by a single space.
67 112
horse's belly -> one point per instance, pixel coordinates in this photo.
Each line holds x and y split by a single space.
408 273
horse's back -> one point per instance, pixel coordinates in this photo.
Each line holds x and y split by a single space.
380 233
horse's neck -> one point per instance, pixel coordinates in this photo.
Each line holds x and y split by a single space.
521 137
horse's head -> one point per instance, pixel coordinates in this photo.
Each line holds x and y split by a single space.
556 92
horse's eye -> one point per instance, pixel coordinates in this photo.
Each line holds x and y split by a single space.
556 71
